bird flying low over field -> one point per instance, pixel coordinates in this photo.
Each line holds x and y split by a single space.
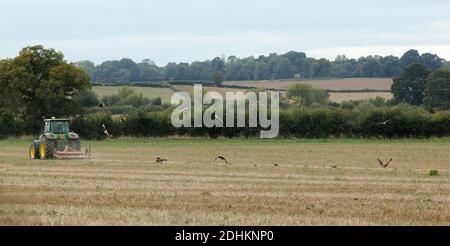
384 165
159 160
221 158
383 123
106 132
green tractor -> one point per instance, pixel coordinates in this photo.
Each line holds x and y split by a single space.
57 142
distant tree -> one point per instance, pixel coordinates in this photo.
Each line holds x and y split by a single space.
432 61
410 86
232 59
218 65
321 68
283 68
40 83
171 71
390 66
126 63
410 57
307 95
344 67
148 71
297 61
218 78
148 61
135 74
88 67
438 90
369 66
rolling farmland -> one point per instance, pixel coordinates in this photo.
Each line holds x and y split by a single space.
340 84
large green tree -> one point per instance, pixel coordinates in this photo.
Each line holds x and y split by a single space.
438 90
410 86
40 83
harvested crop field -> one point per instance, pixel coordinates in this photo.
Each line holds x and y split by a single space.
332 84
274 182
190 89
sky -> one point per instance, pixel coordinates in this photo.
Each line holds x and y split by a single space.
189 30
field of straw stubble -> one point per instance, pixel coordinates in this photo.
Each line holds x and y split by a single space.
274 182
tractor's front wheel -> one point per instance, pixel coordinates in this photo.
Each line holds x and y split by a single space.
46 148
34 150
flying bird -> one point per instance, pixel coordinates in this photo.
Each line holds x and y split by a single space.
159 160
276 164
383 123
384 165
222 158
105 131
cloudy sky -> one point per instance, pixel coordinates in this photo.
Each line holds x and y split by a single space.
182 30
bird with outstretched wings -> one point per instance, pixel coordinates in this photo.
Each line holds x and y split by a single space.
384 165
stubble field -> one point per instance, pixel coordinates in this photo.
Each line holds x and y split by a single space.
274 182
332 84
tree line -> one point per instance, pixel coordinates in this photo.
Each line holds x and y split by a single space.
274 66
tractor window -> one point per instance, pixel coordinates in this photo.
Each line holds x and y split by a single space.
47 127
60 127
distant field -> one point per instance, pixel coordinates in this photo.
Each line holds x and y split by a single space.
340 97
270 182
222 91
337 84
149 92
334 84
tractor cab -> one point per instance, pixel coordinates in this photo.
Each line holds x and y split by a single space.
56 126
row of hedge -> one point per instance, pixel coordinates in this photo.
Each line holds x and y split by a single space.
401 122
300 122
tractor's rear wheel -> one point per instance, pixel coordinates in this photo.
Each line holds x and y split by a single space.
46 148
34 150
75 144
